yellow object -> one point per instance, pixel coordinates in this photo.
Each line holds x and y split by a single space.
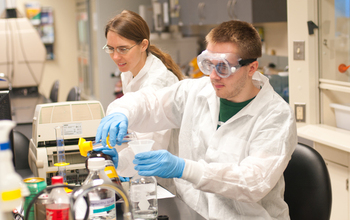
62 164
111 172
195 71
11 195
86 146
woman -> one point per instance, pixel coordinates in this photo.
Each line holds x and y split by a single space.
143 66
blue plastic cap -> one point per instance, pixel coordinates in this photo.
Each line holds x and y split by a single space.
5 146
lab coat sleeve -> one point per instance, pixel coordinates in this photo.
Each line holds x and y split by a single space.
150 110
268 153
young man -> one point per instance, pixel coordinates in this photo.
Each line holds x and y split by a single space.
236 134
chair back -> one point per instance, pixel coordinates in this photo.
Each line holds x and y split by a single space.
54 91
308 190
74 94
21 149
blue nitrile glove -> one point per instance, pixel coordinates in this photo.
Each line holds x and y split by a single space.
111 152
116 124
124 179
159 163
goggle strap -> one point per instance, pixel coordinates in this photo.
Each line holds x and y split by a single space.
246 62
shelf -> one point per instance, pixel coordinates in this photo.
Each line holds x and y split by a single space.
327 135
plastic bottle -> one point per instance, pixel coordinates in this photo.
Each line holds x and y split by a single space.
143 196
102 201
58 209
11 182
86 148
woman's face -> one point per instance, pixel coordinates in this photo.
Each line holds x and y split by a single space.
134 59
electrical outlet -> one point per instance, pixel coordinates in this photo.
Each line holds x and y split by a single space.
300 112
299 50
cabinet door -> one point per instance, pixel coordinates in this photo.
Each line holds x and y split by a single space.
198 12
340 195
235 9
188 12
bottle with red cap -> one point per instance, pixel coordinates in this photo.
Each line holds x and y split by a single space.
58 209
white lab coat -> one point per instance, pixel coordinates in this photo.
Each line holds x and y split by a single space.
236 171
153 76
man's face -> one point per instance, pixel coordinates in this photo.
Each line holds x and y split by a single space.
236 87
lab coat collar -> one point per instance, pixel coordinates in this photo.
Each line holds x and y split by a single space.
127 76
263 97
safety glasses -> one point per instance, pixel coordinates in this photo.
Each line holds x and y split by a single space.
225 64
120 50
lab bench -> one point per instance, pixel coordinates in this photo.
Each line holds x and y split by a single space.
174 208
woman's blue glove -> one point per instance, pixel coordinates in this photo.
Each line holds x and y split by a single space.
116 124
159 163
111 152
124 179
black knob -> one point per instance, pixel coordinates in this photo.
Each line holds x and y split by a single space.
163 217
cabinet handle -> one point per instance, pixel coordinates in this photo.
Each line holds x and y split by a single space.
232 5
229 3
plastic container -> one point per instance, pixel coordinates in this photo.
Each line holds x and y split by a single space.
342 115
102 201
58 209
10 181
139 146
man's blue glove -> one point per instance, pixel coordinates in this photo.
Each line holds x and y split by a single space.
159 163
116 124
111 152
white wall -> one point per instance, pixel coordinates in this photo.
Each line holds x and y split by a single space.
303 74
64 67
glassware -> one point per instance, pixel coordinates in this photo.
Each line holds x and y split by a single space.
143 189
102 201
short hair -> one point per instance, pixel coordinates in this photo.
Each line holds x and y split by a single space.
241 33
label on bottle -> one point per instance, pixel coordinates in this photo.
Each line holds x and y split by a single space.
57 212
11 195
102 205
111 173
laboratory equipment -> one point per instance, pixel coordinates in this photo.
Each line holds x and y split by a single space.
79 119
143 189
10 182
61 155
22 62
58 208
102 201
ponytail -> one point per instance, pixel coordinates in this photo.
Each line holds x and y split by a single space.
167 61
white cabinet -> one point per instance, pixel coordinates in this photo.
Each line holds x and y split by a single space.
337 162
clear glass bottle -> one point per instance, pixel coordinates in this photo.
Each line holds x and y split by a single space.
143 196
102 201
58 208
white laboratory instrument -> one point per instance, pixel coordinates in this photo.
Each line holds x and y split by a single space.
79 119
23 55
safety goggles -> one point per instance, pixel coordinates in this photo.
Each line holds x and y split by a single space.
225 64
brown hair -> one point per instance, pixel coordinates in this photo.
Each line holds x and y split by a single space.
243 34
130 25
